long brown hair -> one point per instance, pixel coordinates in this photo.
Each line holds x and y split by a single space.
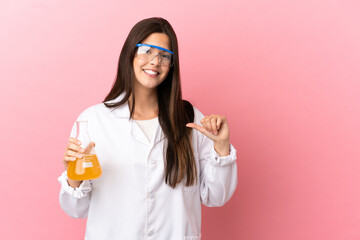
174 112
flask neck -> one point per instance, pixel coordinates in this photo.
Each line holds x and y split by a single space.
82 133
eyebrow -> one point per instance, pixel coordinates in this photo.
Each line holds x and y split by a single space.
148 45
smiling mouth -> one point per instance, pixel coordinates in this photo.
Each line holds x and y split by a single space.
151 72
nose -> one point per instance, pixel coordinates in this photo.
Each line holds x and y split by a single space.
155 60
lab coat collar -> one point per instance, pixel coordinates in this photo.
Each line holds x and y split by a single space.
139 135
120 111
124 112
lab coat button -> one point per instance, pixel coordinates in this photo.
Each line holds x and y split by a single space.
150 232
151 196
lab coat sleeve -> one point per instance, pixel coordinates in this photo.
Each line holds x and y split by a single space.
75 201
218 175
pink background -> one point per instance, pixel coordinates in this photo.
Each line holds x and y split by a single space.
285 73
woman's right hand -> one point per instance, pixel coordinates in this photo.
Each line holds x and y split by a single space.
72 152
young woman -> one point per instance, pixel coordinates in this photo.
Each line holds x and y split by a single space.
160 157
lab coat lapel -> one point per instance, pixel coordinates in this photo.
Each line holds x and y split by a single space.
137 133
159 134
124 112
135 130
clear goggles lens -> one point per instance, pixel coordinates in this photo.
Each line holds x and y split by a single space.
150 52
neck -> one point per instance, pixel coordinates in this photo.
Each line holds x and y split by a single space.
146 104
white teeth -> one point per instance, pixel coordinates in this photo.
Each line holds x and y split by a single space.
151 72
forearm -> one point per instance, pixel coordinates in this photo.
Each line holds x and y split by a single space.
218 176
73 206
74 196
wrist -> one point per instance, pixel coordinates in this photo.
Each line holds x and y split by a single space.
74 183
222 148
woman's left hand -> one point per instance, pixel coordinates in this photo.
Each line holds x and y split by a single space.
216 128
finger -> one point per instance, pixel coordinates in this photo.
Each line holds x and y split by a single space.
69 159
70 153
213 125
218 123
196 126
74 147
206 124
200 129
75 141
89 148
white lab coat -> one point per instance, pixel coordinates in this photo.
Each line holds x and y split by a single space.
131 201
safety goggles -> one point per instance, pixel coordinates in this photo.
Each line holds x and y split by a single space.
147 52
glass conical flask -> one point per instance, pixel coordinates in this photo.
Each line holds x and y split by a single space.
88 167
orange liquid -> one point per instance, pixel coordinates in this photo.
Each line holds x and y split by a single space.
85 168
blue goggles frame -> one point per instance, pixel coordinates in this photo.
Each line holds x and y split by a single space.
148 45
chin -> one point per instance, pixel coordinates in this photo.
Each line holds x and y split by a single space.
150 84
